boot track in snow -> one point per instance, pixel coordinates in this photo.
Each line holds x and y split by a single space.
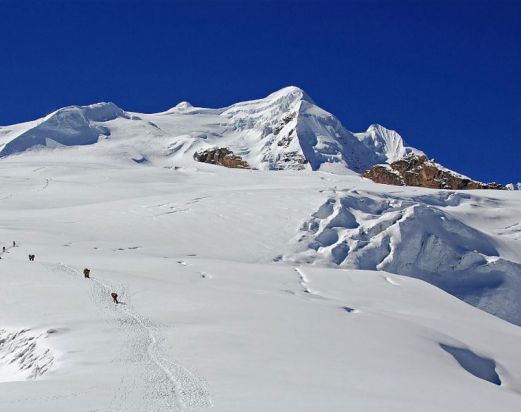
161 384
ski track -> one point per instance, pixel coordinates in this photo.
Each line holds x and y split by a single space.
168 385
202 273
391 281
304 282
41 189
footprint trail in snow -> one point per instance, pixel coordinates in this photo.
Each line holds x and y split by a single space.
151 381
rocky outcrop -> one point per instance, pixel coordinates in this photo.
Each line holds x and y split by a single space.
222 157
418 170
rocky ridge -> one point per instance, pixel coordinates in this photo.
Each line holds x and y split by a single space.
418 170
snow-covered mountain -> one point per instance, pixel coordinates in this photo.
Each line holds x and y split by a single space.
247 290
285 130
288 131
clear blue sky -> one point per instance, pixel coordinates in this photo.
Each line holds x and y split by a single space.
446 75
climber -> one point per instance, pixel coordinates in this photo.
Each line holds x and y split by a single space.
86 272
114 297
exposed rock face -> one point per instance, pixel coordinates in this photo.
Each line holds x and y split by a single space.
222 157
417 170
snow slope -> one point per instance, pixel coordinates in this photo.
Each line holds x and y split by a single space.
221 310
285 130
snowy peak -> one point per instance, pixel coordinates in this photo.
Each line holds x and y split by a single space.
97 112
290 93
184 105
69 126
287 130
386 142
284 130
272 106
180 107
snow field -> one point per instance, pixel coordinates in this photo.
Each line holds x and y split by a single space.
212 317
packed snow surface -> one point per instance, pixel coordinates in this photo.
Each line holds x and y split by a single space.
223 308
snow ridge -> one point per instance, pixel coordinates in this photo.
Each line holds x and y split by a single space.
73 125
285 130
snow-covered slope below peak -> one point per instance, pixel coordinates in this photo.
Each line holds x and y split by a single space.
388 143
208 322
69 126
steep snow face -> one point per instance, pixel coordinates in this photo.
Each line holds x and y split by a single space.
285 130
263 131
70 126
416 237
387 143
325 142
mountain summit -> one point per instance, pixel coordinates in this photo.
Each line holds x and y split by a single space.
285 130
